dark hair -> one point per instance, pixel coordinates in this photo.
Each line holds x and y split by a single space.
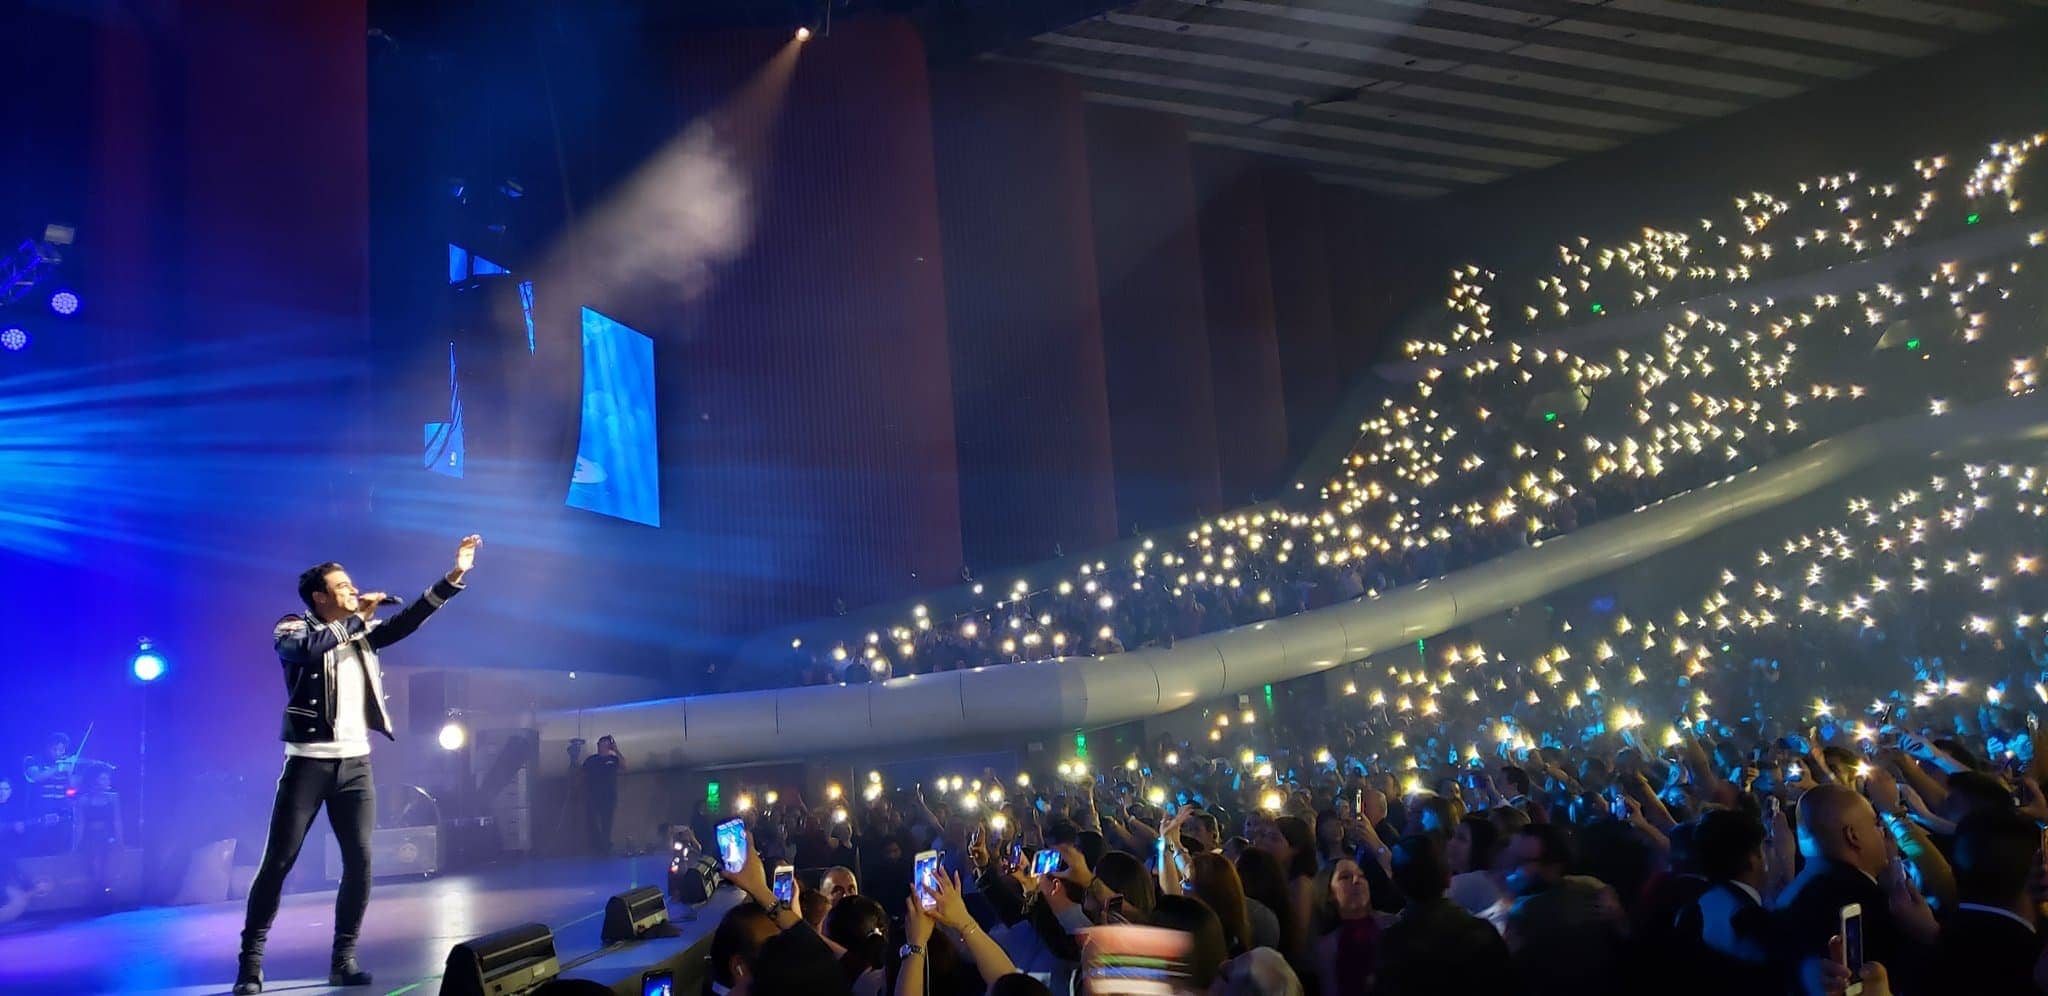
1018 984
861 926
1516 778
1302 841
1194 918
1725 840
1994 855
1127 877
1955 749
1507 821
1485 840
815 906
59 737
1214 881
798 963
1062 832
1980 792
1265 881
1420 871
734 938
1093 846
314 579
1556 848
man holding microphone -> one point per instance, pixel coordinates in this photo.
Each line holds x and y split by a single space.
336 697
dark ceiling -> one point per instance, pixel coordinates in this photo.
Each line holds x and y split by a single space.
1417 98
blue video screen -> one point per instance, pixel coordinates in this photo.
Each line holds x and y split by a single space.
618 468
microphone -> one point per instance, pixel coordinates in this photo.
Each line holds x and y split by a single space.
388 601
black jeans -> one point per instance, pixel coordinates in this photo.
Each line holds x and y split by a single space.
598 820
351 810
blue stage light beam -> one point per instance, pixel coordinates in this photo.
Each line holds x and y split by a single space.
180 451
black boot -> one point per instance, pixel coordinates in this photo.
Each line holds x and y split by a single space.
249 975
346 972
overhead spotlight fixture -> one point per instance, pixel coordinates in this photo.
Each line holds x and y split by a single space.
14 339
64 302
803 34
453 736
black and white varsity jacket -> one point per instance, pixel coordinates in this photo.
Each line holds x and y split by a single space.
310 651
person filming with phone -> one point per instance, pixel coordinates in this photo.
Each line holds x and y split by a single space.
1848 870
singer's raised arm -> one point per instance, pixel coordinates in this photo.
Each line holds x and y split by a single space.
400 626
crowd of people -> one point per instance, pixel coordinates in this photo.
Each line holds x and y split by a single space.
1500 445
1599 800
1604 868
1819 775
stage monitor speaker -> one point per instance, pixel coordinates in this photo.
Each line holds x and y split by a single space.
692 878
508 963
641 913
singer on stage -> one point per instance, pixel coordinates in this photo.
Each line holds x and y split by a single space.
336 697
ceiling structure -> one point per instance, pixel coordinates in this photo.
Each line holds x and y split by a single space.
1417 98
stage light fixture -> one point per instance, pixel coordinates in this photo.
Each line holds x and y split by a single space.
64 302
803 34
14 339
147 665
453 736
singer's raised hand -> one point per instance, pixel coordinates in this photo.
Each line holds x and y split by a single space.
465 557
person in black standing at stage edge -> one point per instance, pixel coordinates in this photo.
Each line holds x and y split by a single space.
329 654
96 831
601 793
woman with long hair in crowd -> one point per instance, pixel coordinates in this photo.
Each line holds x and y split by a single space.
1289 839
1213 880
1477 884
1266 901
1345 954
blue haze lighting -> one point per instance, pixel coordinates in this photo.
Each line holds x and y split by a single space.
64 302
147 665
526 308
445 448
173 451
618 468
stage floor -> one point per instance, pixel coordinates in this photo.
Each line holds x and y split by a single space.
190 950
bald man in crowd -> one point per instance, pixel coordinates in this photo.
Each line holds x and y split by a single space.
1846 851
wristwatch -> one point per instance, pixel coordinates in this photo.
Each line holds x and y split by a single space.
775 908
910 949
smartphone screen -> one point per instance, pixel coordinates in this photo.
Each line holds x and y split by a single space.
1016 854
1045 862
925 872
732 845
1852 942
785 883
658 984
